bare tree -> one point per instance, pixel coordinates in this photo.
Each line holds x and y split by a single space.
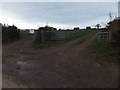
112 16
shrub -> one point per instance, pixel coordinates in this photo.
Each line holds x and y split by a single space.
10 33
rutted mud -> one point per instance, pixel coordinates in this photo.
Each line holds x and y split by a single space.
65 65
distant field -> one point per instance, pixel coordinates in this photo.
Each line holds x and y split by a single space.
64 36
77 34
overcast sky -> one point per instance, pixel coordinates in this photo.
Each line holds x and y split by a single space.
57 14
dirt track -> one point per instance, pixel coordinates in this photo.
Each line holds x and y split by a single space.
65 65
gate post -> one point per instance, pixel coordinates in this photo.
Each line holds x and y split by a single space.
42 36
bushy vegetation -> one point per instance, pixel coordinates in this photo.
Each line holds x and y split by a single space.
10 33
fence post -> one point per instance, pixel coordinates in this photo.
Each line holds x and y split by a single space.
65 36
42 36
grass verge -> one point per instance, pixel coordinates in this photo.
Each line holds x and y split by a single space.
103 52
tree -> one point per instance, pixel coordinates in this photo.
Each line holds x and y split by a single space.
10 33
88 27
59 29
98 26
76 28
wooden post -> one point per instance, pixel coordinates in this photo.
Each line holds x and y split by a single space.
42 36
65 36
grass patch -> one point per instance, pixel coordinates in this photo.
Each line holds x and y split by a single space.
102 52
77 34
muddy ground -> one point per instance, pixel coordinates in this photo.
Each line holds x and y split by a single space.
66 65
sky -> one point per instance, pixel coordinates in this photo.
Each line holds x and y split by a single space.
65 15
